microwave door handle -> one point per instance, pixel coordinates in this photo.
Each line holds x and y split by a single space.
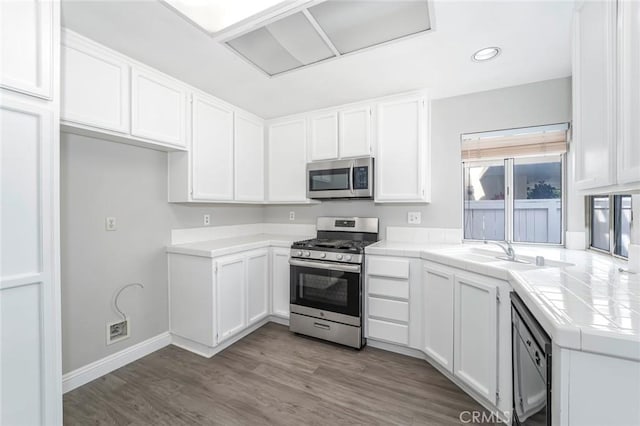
351 178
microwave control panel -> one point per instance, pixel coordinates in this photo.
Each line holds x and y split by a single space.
361 177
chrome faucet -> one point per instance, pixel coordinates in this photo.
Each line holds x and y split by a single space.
507 248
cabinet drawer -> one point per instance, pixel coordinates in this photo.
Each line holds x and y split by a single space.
389 287
395 268
395 333
389 309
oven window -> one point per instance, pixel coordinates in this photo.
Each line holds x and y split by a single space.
325 289
329 180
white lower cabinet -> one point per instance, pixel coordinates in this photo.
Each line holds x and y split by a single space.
231 299
453 316
257 286
214 300
476 334
392 300
280 276
437 313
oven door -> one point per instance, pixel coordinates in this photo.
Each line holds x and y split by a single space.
325 289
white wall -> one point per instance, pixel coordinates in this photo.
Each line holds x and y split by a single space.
100 179
520 106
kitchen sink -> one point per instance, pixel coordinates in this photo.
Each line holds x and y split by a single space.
495 256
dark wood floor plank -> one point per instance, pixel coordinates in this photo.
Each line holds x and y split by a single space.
271 377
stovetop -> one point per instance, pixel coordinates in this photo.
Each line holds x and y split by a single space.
334 245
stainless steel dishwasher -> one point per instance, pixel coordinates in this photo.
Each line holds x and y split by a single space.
531 348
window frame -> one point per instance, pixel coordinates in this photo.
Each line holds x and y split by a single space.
509 208
612 223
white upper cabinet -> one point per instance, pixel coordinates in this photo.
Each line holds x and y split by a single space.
355 132
476 334
437 314
211 150
324 136
340 134
594 93
628 167
27 66
249 158
402 151
287 161
95 86
158 107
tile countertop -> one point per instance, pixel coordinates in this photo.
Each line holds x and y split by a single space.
225 246
585 304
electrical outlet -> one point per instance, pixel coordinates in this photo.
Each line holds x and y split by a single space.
292 215
117 331
207 219
414 218
110 223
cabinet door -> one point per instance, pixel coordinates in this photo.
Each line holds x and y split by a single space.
280 282
249 158
593 93
324 136
211 150
476 338
355 132
231 296
437 314
26 46
401 151
287 161
257 285
158 108
95 87
29 373
629 90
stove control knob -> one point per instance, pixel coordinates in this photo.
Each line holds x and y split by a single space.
348 257
299 253
339 257
307 254
323 255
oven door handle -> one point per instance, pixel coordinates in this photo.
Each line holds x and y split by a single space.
322 265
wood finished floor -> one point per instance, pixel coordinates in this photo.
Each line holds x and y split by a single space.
270 377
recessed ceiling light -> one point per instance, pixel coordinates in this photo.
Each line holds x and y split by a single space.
486 54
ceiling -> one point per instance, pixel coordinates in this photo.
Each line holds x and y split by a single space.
535 38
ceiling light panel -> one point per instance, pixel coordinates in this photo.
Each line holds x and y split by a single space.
355 25
283 45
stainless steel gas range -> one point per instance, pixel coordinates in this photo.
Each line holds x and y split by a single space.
327 276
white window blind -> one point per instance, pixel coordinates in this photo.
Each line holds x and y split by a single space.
514 143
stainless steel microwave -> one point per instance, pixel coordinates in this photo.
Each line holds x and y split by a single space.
340 179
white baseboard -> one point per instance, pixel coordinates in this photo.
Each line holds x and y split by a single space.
89 372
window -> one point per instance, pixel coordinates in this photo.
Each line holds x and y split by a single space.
513 184
610 223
